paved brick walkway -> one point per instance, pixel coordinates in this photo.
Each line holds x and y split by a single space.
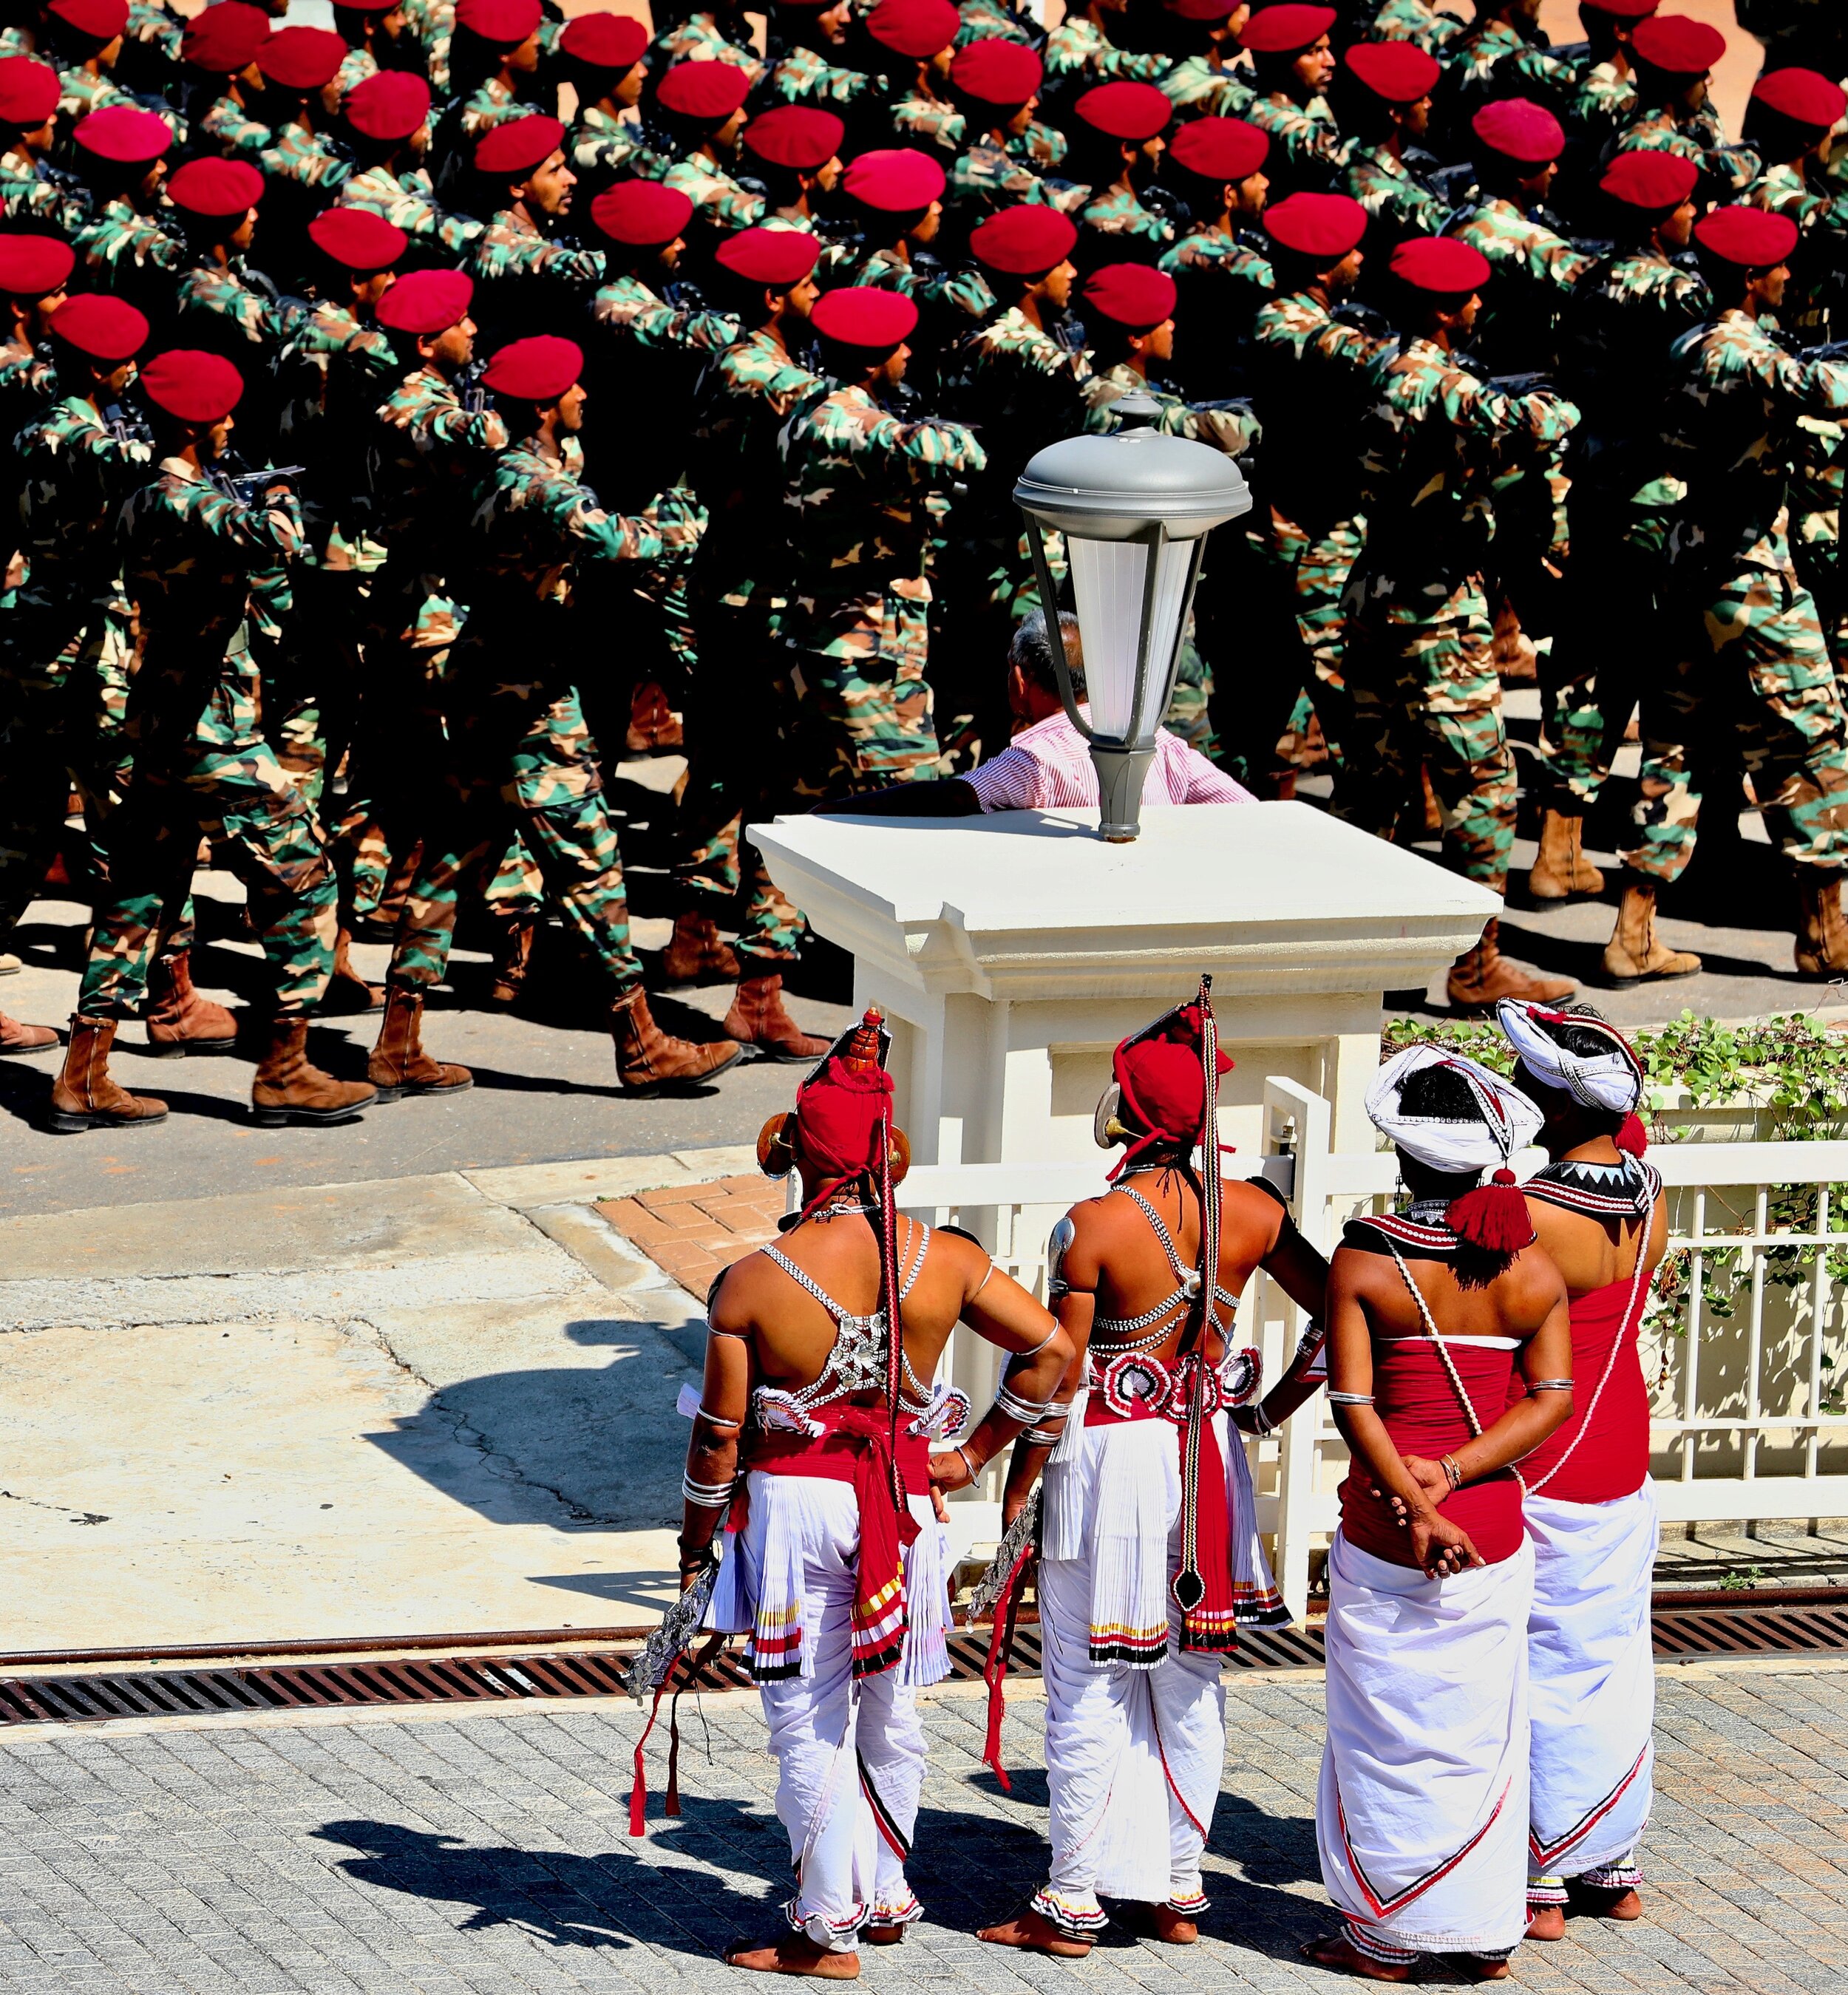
440 1856
696 1231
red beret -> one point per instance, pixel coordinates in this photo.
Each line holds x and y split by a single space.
1286 30
861 317
1200 10
1441 265
897 180
29 90
121 132
1131 295
918 28
301 58
106 328
372 6
792 134
34 266
195 386
614 42
391 104
994 71
225 38
1679 45
1131 111
1400 72
521 145
539 369
215 187
1316 224
643 213
1752 238
708 91
427 302
504 24
1622 10
779 257
1024 241
356 240
1220 148
101 20
1525 132
1650 180
1804 96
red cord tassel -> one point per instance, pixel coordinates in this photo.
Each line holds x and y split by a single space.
1632 1138
638 1791
1493 1217
994 1671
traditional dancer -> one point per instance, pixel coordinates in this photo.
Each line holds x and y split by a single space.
1422 1809
1148 1552
835 1565
1591 1508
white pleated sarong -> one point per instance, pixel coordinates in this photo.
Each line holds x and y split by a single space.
1135 1743
850 1754
1421 1815
1592 1689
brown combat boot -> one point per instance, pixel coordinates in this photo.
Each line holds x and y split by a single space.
696 954
1821 934
84 1096
1561 872
15 1038
179 1021
399 1064
1483 975
348 994
648 1059
513 959
758 1018
1634 953
289 1088
653 730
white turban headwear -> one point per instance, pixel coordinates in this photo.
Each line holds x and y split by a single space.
1611 1080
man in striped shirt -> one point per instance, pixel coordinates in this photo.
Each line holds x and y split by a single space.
1047 765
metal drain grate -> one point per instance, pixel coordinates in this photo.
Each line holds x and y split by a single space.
1687 1627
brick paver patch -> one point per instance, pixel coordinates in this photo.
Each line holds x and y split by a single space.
695 1231
435 1856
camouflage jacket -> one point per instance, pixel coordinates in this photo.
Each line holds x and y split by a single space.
1434 436
1305 134
120 240
601 148
490 103
1729 169
922 121
709 187
428 453
262 319
1534 273
27 193
510 246
405 200
858 480
843 265
1625 314
80 93
1603 104
803 76
1079 53
430 24
304 157
1492 59
1415 21
1734 402
1195 83
1117 212
1784 190
1311 376
1228 426
982 18
1222 281
153 24
1012 381
992 177
76 469
533 518
355 67
230 126
701 37
1399 203
29 386
628 311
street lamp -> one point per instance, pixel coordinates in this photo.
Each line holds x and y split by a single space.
1135 509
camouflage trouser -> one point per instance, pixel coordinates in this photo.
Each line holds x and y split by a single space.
1755 676
1422 677
1188 715
860 661
517 888
236 795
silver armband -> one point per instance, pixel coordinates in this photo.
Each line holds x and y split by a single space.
1350 1398
1550 1386
706 1495
1057 1243
1012 1407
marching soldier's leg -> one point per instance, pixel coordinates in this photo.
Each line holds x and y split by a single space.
515 899
863 666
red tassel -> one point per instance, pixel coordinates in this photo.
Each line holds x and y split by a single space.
672 1808
638 1792
994 1671
1632 1137
1493 1217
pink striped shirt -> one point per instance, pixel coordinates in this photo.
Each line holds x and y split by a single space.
1048 766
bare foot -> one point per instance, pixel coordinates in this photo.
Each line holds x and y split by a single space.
883 1935
794 1954
1546 1922
1161 1922
1034 1933
1599 1903
1474 1967
1337 1952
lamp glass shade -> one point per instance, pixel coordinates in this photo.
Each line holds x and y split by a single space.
1109 581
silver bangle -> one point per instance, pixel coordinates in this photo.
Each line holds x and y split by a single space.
1262 1420
974 1473
1010 1406
714 1420
1046 1436
706 1495
1350 1398
1016 1357
1550 1386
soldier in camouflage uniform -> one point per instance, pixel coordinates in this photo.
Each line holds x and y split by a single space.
701 104
1079 52
522 756
1117 151
1418 662
1752 659
31 193
1221 275
1006 154
1199 81
222 44
494 65
602 59
388 116
220 303
1389 108
1293 64
1672 55
1788 122
1498 55
1432 29
298 64
795 154
1604 100
808 32
1624 315
124 248
708 34
84 39
918 41
858 476
525 275
202 766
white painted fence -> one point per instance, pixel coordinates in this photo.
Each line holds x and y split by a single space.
1746 1344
